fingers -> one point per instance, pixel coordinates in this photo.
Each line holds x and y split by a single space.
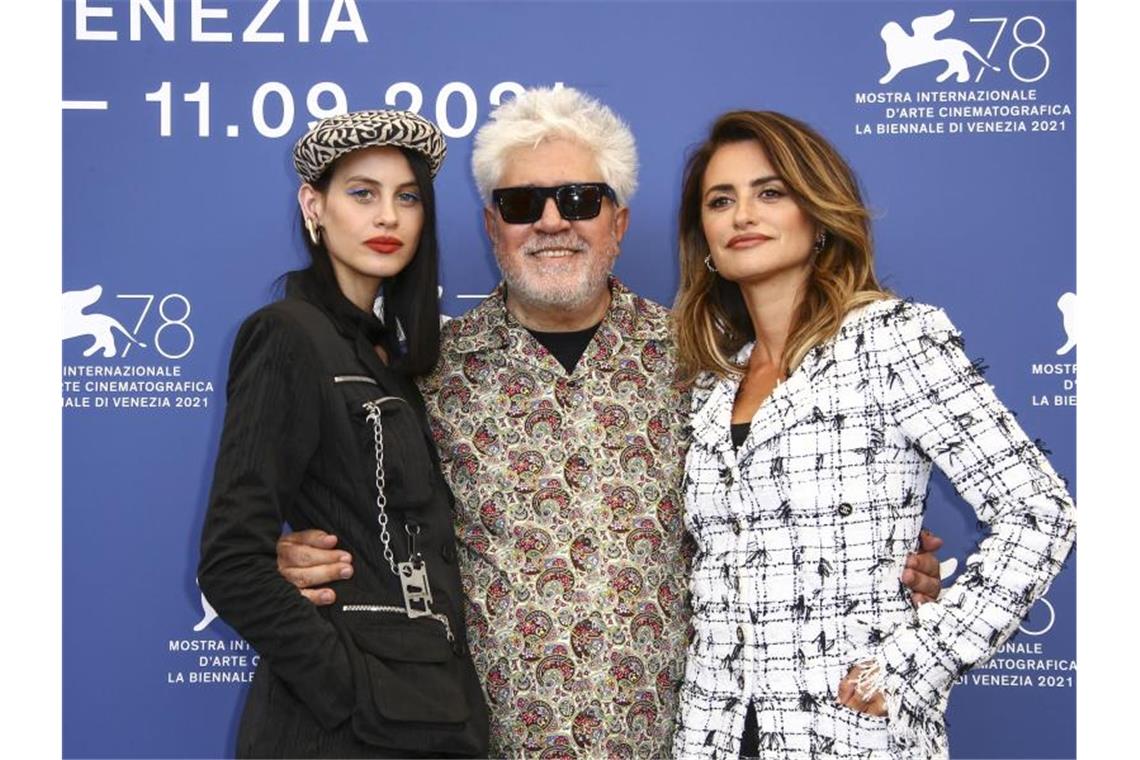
929 542
294 551
923 574
845 692
313 537
321 596
920 599
305 566
848 696
308 558
921 583
317 575
296 556
923 563
876 705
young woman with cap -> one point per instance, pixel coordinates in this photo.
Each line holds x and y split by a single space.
324 427
821 403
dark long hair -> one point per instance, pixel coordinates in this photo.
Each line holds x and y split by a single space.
411 297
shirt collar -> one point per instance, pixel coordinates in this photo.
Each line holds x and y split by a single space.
490 326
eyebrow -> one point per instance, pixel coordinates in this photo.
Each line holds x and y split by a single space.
370 181
726 187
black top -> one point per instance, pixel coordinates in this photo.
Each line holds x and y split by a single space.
749 745
566 347
740 433
296 447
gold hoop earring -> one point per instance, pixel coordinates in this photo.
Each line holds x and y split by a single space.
314 230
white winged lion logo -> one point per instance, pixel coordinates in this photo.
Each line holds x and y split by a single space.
76 324
1067 303
905 51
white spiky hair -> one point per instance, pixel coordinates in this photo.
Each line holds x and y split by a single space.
543 113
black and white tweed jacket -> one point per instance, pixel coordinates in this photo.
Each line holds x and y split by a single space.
803 532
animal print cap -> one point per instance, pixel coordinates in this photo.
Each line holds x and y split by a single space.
331 138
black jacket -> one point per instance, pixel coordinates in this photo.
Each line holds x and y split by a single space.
296 447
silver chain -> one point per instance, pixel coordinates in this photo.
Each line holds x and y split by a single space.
373 408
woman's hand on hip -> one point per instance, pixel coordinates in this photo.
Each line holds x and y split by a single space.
851 694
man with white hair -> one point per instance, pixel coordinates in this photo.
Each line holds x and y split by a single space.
561 430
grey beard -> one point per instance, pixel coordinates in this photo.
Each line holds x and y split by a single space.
581 293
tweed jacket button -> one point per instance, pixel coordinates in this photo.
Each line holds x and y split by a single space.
740 634
740 681
736 525
845 509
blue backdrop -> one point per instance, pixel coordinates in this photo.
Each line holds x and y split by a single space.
179 202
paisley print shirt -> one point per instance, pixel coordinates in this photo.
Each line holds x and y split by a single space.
569 526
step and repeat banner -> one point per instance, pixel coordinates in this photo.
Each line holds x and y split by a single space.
179 214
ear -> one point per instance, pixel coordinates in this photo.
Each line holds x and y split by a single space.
489 223
311 201
621 223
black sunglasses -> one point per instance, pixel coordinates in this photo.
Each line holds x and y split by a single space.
523 205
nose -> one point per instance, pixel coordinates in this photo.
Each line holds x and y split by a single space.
551 220
744 212
386 213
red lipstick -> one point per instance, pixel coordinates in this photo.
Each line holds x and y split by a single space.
384 244
748 240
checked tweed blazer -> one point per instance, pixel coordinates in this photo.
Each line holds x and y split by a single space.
802 535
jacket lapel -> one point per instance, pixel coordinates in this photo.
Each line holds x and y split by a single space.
711 420
391 383
790 402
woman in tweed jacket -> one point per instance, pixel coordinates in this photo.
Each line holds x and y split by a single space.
821 404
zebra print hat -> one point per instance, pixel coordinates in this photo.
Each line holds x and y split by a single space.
331 138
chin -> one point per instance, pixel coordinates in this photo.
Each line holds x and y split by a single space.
389 268
570 295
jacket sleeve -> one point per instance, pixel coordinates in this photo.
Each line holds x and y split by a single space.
942 404
271 431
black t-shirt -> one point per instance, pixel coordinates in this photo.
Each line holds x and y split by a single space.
566 347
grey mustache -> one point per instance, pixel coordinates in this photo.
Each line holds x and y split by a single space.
558 243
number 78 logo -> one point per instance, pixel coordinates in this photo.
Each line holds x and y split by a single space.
923 46
173 310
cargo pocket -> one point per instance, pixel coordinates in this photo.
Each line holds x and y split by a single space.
406 670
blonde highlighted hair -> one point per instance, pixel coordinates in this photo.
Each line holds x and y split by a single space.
710 319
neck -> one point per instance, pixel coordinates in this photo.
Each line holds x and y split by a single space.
360 291
772 305
548 318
